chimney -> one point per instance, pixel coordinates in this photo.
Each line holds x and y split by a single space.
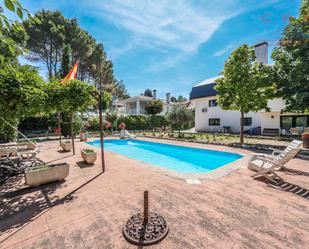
168 98
261 52
154 93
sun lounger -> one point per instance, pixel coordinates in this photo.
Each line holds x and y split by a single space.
126 134
266 165
285 155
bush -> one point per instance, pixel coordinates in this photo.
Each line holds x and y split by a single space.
134 122
94 124
143 122
7 133
65 125
157 121
39 123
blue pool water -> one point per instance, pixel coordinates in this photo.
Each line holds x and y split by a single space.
179 158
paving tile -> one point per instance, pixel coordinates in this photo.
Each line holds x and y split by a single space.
66 236
41 241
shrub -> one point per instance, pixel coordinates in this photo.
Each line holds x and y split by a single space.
65 125
143 122
134 122
94 124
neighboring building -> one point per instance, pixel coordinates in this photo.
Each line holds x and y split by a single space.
136 104
210 117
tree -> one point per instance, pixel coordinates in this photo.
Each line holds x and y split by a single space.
154 107
292 60
46 39
22 95
148 93
70 96
179 116
9 29
173 99
246 85
112 117
120 90
66 62
181 99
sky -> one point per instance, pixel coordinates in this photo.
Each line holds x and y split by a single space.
171 45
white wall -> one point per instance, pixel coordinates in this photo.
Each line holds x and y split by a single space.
227 118
270 120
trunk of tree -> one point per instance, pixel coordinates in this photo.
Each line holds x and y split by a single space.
72 132
59 127
179 133
242 128
101 129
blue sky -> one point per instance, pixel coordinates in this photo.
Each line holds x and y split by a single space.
172 45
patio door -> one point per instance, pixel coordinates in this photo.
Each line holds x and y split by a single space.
288 122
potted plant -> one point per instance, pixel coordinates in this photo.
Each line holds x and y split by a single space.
66 145
83 135
305 138
122 126
89 155
35 176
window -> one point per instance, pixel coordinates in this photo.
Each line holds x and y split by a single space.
212 103
288 122
214 121
247 121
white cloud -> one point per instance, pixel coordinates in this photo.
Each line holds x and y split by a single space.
178 26
223 51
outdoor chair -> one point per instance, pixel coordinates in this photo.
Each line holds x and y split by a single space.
126 134
287 154
266 165
21 151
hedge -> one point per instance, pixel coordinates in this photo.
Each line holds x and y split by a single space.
143 122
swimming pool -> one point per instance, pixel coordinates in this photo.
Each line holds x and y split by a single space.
179 158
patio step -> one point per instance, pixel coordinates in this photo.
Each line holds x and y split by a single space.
270 132
303 154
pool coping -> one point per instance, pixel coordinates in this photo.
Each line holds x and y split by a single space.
211 175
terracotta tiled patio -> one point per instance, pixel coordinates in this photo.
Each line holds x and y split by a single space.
89 209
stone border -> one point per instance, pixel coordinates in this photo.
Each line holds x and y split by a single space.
234 145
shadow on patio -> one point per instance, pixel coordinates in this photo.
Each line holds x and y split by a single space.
286 186
24 205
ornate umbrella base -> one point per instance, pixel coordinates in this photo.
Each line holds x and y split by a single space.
137 232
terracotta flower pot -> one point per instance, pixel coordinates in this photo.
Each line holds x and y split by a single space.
89 157
66 146
83 136
305 138
46 174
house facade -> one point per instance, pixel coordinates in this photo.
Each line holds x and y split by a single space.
137 104
209 117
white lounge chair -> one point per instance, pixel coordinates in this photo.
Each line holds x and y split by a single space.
266 165
283 156
126 134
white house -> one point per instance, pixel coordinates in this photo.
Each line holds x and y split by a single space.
136 104
210 117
